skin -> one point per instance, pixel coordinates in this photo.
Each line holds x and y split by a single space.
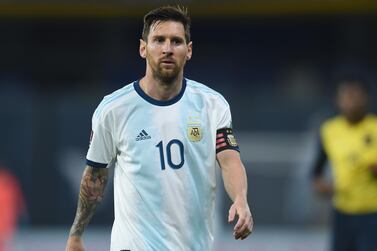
323 187
352 102
166 52
92 188
235 182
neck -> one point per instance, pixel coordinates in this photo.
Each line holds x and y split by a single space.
354 120
159 89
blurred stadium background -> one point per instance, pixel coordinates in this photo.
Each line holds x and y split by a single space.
273 60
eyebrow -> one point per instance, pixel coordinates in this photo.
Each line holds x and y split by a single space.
173 37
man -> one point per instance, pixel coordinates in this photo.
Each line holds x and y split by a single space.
165 133
349 141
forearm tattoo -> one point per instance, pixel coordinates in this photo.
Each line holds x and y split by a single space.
92 188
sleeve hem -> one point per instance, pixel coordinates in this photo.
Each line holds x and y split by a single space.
95 164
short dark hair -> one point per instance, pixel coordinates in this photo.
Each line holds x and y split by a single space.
354 80
167 13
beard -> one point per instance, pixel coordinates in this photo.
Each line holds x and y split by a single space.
166 76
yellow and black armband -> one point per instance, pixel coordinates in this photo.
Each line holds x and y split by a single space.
225 140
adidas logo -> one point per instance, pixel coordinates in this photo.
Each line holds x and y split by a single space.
143 135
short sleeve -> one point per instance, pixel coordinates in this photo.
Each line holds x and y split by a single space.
225 138
225 119
102 147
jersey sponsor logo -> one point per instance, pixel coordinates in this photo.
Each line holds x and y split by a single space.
143 135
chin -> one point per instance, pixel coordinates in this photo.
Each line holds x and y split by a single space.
167 76
168 79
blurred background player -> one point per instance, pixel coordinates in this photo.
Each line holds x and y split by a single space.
349 142
12 205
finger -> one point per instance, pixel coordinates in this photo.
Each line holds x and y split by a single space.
245 224
238 235
245 228
240 222
232 213
242 235
251 224
242 231
248 231
245 235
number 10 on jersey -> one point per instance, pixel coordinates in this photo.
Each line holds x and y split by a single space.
168 147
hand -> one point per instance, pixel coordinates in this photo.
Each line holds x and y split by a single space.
323 187
74 243
245 222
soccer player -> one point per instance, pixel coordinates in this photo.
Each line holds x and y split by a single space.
165 133
349 142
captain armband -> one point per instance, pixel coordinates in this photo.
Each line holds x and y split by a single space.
225 140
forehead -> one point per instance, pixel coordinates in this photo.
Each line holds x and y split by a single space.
167 28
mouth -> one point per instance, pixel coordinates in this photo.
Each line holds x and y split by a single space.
168 61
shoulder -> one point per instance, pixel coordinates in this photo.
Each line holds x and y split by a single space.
332 123
372 119
115 99
197 88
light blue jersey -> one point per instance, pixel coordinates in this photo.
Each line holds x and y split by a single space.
165 154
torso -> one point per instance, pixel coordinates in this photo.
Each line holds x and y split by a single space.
165 180
351 149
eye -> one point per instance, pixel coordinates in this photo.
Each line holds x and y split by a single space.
177 41
159 39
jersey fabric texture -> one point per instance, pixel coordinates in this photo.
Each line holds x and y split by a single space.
351 149
165 155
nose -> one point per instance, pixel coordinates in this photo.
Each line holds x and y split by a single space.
167 48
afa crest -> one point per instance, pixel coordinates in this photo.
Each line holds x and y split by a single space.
232 140
194 133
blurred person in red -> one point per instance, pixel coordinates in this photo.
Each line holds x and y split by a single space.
349 142
12 205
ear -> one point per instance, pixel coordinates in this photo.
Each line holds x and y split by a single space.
189 52
142 48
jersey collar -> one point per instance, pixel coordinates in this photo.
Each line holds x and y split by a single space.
160 102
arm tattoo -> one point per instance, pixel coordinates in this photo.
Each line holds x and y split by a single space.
92 187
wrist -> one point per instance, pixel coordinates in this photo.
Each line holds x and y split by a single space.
75 237
241 199
75 233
